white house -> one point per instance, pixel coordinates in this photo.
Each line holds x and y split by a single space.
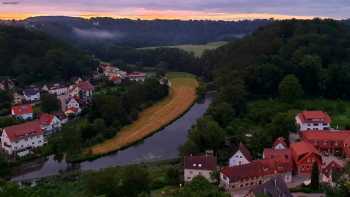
23 112
22 138
137 76
313 120
241 156
202 165
49 123
280 144
31 94
58 89
72 107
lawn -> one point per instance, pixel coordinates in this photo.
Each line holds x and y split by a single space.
182 96
198 50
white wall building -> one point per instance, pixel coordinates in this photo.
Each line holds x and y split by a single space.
203 165
313 120
22 138
242 156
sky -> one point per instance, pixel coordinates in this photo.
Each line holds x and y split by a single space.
177 9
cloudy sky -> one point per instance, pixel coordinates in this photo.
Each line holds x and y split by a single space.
181 9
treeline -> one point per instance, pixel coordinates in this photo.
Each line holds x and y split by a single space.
286 62
159 59
31 56
129 181
110 111
97 32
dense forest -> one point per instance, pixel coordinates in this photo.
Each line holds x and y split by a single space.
264 79
31 56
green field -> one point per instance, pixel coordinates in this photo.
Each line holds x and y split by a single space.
198 50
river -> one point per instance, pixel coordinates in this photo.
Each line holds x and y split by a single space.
163 145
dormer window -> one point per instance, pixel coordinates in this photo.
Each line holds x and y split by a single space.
200 165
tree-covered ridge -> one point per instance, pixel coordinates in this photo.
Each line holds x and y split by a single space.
31 56
315 51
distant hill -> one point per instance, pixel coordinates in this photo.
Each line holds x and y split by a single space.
139 33
32 56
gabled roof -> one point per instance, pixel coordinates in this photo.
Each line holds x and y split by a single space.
21 109
275 187
245 152
256 168
325 135
301 150
283 155
86 86
314 116
46 119
20 131
280 140
201 162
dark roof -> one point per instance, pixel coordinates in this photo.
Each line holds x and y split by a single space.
201 162
245 152
30 91
275 187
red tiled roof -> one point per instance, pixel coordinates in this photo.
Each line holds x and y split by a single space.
314 116
45 119
245 152
280 140
22 109
202 162
86 86
19 131
73 109
256 168
284 155
325 135
302 149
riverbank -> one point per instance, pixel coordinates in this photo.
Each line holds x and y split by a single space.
181 98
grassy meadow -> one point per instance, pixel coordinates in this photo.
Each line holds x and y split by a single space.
182 96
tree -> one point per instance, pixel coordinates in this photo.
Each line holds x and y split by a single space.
49 103
290 89
200 187
206 135
315 177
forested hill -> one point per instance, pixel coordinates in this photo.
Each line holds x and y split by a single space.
31 56
316 51
96 32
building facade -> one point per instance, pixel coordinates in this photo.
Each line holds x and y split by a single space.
202 165
313 120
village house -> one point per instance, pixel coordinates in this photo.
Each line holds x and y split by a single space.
330 165
6 84
17 98
313 120
242 156
304 156
31 94
257 172
62 117
22 138
329 142
275 187
22 112
137 76
280 144
57 89
72 107
82 90
49 123
200 165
